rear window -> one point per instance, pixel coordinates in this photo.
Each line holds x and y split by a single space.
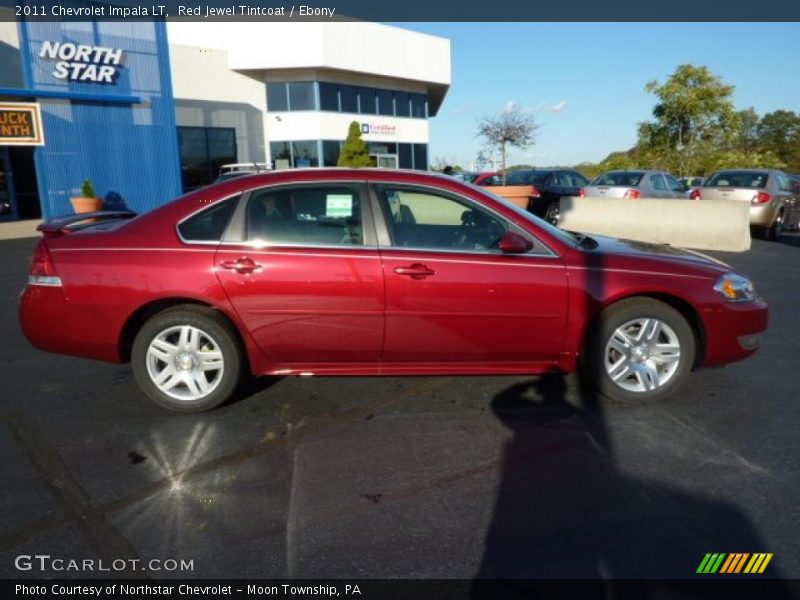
629 178
738 179
208 225
526 177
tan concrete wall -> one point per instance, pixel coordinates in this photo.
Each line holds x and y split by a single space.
700 224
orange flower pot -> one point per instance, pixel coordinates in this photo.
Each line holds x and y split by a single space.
81 204
518 194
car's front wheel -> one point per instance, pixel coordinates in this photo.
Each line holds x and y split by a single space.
187 359
639 350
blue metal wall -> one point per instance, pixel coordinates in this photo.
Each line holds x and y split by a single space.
121 136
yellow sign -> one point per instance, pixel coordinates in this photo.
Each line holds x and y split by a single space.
21 124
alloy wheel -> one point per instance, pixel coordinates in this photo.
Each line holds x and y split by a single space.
642 355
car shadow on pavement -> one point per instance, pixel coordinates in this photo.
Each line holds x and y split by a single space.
564 510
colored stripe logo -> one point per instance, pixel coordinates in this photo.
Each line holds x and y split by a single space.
733 563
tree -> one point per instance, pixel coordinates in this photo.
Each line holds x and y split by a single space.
511 127
779 132
693 109
355 151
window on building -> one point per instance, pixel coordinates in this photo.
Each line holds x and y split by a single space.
385 102
208 225
306 215
330 152
328 96
301 95
277 99
281 154
421 157
366 101
305 154
404 156
402 104
203 150
419 106
349 98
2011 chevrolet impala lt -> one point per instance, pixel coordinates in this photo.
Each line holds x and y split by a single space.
373 272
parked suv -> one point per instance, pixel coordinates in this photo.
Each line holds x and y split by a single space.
773 205
549 186
635 184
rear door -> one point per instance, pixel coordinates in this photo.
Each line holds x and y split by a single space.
451 296
305 274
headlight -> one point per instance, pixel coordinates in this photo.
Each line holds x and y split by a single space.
735 288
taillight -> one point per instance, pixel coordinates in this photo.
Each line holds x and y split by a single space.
761 198
42 270
633 194
535 193
695 194
582 193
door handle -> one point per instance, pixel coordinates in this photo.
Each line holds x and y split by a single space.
243 266
415 271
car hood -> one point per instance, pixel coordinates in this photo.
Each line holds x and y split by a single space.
648 252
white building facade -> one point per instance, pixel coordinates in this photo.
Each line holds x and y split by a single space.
285 94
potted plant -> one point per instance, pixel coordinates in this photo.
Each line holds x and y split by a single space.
87 202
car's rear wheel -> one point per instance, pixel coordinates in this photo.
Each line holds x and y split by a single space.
187 359
773 232
553 212
639 349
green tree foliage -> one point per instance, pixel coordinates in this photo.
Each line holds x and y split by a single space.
779 132
355 152
696 130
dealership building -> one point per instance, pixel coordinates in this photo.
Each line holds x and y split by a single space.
149 110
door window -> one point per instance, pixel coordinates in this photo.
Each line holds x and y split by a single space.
673 184
420 219
306 216
658 183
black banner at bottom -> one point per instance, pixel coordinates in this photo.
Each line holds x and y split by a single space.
391 589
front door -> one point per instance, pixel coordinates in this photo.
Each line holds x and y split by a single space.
452 297
307 282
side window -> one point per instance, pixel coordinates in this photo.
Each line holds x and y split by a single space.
783 183
208 225
673 184
658 183
578 180
310 215
420 219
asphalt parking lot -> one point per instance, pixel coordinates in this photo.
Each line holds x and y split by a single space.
405 477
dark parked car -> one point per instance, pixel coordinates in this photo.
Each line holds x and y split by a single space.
374 272
549 186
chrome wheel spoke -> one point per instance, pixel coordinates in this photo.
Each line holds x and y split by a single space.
666 353
620 369
652 330
647 374
210 361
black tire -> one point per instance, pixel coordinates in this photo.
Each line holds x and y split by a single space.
594 352
553 212
773 232
218 332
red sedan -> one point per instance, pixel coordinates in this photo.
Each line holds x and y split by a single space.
372 272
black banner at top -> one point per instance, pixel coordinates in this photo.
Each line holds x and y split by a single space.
678 11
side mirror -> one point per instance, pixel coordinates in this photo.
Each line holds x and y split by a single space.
514 243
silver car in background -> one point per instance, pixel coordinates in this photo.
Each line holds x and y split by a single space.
773 205
635 184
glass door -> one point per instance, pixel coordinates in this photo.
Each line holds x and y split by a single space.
6 196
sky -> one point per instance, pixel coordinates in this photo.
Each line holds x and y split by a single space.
584 82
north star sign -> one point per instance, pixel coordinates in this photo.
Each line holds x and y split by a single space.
79 62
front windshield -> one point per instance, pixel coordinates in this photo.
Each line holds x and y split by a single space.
564 236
